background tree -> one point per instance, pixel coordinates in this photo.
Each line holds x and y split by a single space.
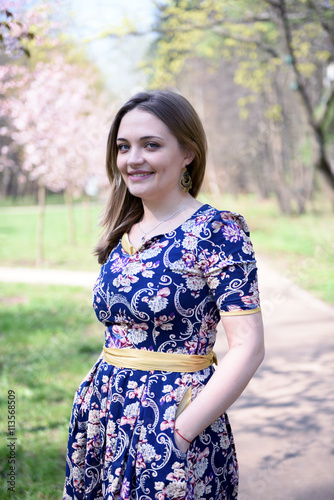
280 52
54 124
14 32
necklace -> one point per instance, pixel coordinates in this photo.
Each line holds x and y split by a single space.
165 220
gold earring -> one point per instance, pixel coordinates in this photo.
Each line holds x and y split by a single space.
186 183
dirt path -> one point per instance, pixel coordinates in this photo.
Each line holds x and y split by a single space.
284 422
47 276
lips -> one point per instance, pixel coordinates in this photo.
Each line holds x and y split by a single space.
139 174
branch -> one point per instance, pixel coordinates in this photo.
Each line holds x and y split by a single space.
264 18
188 26
208 27
288 39
329 29
276 5
238 38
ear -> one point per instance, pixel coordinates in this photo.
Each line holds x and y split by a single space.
189 156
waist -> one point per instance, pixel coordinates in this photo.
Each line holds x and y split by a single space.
138 359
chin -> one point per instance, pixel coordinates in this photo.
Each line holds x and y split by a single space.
139 193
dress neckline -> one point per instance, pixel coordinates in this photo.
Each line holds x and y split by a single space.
131 250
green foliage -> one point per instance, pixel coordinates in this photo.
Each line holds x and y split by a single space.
278 53
275 113
48 344
250 32
208 29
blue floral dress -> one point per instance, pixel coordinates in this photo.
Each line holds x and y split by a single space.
167 296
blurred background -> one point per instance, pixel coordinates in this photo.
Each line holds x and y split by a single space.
261 76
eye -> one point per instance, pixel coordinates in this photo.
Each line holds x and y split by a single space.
122 148
152 146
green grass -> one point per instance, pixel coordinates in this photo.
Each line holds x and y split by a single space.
299 247
49 338
18 240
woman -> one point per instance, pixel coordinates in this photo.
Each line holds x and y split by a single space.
149 420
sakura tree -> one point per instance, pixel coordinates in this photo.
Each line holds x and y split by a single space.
53 121
14 28
60 124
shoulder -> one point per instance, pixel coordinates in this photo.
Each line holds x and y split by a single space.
225 234
230 225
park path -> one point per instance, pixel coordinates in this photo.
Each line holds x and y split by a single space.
47 276
284 421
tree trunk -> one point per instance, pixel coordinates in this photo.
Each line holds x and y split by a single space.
280 185
322 163
211 171
71 220
40 226
5 182
87 214
324 166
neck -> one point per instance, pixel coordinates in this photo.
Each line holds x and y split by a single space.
164 208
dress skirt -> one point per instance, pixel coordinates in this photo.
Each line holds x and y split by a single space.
121 443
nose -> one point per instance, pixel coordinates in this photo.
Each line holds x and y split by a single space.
135 157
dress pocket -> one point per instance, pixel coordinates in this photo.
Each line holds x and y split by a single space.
185 401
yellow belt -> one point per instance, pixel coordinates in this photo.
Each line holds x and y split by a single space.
163 361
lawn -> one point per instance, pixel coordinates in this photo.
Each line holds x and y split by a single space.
300 247
18 240
49 338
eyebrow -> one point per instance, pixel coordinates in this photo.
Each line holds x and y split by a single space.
145 137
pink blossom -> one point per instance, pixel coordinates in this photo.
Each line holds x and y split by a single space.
59 122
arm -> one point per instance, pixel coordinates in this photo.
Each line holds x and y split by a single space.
246 351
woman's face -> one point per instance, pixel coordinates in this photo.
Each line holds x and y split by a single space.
149 156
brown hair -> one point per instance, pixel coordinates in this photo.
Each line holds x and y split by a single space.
123 209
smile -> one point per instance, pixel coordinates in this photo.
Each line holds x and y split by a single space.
136 175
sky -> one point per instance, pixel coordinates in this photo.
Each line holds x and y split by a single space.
117 59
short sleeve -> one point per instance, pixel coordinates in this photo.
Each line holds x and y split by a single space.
227 261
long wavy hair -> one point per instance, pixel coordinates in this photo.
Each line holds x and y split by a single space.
123 209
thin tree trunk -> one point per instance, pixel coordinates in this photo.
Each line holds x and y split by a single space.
71 220
322 163
211 170
280 188
87 214
40 226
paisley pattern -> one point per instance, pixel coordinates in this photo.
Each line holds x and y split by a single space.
166 297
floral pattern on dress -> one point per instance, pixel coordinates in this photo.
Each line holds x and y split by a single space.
166 297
